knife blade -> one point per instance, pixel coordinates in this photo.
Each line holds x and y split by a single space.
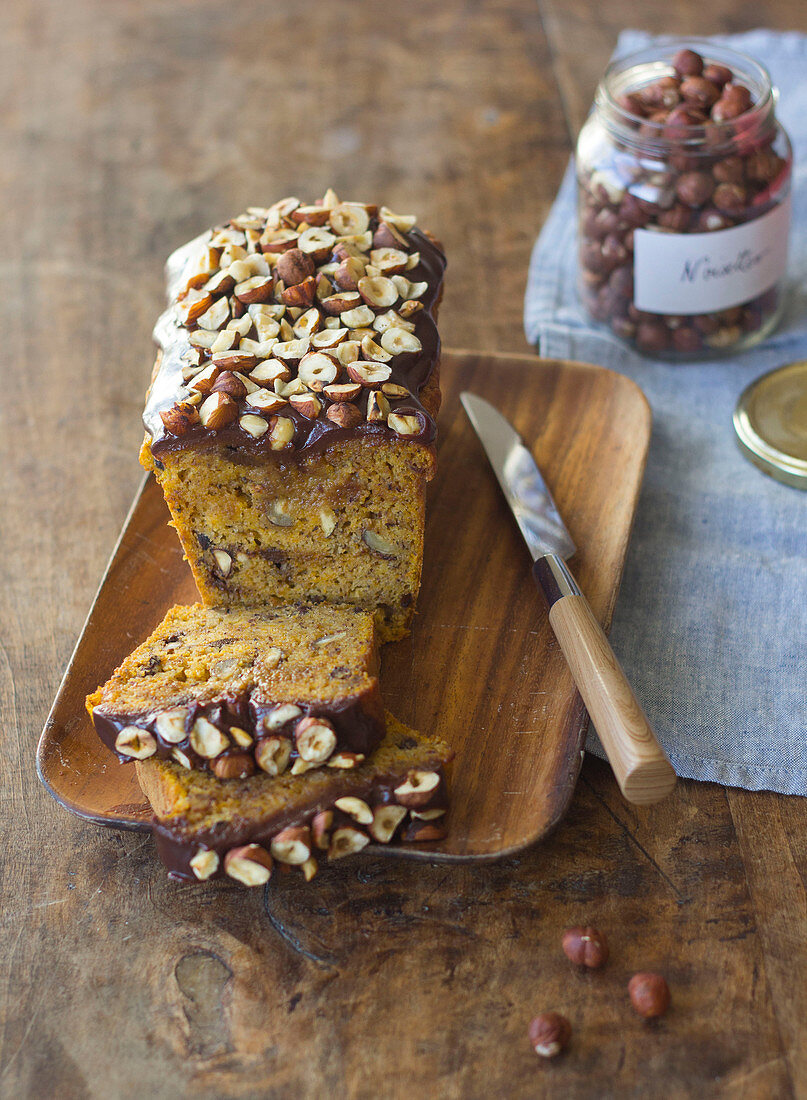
520 479
641 766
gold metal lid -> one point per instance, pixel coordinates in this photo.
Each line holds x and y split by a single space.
771 423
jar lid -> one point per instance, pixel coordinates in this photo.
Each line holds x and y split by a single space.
771 423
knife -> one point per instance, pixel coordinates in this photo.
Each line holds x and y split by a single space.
641 766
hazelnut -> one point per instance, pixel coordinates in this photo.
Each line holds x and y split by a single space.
729 170
417 789
688 63
218 411
180 418
386 820
763 166
315 739
686 339
302 293
694 188
585 947
699 92
734 101
292 845
677 218
344 414
661 94
135 743
651 336
250 864
347 840
730 198
419 832
649 994
272 754
680 120
717 74
294 266
229 383
237 765
387 236
549 1034
320 829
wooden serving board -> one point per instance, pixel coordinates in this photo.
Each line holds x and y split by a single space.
481 667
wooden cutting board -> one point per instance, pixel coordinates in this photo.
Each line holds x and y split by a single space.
481 667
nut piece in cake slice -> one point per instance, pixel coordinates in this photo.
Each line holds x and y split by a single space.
208 829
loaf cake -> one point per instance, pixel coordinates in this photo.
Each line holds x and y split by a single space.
208 829
241 690
291 416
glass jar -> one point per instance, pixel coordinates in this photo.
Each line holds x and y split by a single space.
684 201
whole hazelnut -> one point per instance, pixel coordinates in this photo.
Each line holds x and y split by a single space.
681 120
631 104
549 1034
613 251
661 93
585 947
234 766
294 266
688 63
717 74
651 336
729 170
763 166
677 218
729 198
695 188
631 213
734 101
686 339
621 282
649 994
699 92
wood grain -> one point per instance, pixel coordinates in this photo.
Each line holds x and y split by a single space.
639 763
126 127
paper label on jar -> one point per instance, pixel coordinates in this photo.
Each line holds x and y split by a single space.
686 273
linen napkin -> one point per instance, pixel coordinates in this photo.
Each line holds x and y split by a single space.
711 622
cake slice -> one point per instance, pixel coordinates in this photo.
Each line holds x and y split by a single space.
291 416
244 690
207 829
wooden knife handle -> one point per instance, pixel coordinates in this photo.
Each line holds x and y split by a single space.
641 766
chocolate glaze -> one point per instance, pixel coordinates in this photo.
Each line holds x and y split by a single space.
357 721
411 370
177 846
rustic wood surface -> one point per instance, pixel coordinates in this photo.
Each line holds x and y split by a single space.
126 127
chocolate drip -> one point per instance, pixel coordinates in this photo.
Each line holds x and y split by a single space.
357 722
177 846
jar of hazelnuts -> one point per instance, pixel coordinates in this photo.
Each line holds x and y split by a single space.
684 201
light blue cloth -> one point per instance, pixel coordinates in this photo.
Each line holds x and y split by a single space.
711 622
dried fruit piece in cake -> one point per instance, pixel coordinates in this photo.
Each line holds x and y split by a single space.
247 690
207 829
298 373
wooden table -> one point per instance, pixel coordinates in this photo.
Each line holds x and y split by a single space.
127 127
